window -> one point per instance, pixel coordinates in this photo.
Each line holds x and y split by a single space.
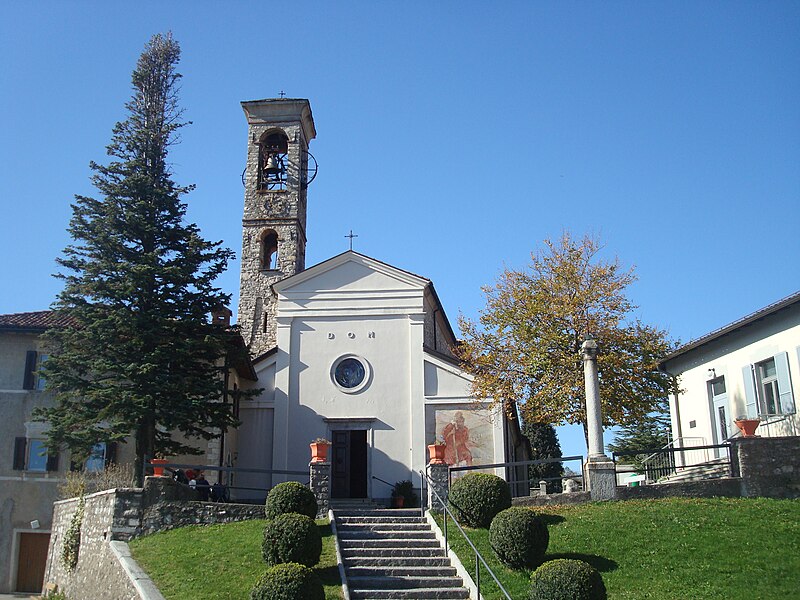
768 394
768 387
31 455
97 459
41 382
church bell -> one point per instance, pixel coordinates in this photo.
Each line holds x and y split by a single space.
271 168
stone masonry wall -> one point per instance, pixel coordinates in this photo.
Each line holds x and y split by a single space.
768 467
121 515
98 574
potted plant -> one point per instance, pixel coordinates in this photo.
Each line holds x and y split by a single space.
158 470
319 450
436 452
747 425
403 494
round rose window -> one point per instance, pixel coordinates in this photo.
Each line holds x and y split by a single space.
350 373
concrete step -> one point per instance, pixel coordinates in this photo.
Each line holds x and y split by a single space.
346 528
365 542
400 571
380 561
392 552
421 594
386 534
380 512
365 519
402 583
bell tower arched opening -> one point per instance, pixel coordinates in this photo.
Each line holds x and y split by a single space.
269 250
273 151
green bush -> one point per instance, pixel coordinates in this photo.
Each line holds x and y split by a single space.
566 579
288 581
476 498
291 538
291 497
519 537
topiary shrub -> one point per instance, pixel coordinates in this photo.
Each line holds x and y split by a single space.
289 581
519 537
291 538
291 497
566 579
476 498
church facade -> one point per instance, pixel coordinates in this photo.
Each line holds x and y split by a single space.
352 350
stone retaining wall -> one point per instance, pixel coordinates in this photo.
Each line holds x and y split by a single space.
121 515
768 467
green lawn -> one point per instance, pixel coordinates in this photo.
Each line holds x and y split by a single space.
677 548
219 562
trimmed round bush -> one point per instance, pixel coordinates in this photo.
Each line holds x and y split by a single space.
291 497
288 581
476 498
519 537
291 538
567 579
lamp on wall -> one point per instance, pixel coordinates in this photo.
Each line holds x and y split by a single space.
712 374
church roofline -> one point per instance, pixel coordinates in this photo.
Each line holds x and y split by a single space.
265 355
334 261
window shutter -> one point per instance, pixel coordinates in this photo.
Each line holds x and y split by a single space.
20 444
30 367
111 453
784 383
52 462
750 392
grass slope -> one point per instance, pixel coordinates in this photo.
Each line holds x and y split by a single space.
219 562
677 548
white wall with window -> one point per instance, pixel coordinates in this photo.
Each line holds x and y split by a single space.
750 369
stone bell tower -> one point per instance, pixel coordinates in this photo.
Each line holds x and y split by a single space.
274 224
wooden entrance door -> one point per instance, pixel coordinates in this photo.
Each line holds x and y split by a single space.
32 561
349 464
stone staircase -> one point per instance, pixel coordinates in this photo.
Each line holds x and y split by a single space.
394 554
713 469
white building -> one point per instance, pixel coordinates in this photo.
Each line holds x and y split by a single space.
352 349
750 368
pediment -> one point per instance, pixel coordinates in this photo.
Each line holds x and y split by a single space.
350 272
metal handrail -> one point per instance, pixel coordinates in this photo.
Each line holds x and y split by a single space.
478 557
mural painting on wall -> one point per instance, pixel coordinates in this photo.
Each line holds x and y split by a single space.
467 436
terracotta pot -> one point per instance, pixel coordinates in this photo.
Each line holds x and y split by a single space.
319 452
748 426
158 471
436 452
398 501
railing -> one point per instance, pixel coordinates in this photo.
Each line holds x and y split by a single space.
303 476
478 558
659 464
520 486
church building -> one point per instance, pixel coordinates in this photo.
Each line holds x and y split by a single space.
352 349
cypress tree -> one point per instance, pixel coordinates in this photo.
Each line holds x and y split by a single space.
141 360
544 444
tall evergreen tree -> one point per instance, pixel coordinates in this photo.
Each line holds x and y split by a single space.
142 358
544 444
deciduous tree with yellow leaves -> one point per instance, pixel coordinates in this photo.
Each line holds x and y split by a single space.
525 347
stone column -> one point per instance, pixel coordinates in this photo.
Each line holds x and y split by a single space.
320 483
600 471
440 480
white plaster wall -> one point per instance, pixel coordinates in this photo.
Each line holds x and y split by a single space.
727 356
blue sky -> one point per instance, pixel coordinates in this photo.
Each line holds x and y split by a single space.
453 137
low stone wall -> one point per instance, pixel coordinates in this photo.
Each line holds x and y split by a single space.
726 487
768 467
121 515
